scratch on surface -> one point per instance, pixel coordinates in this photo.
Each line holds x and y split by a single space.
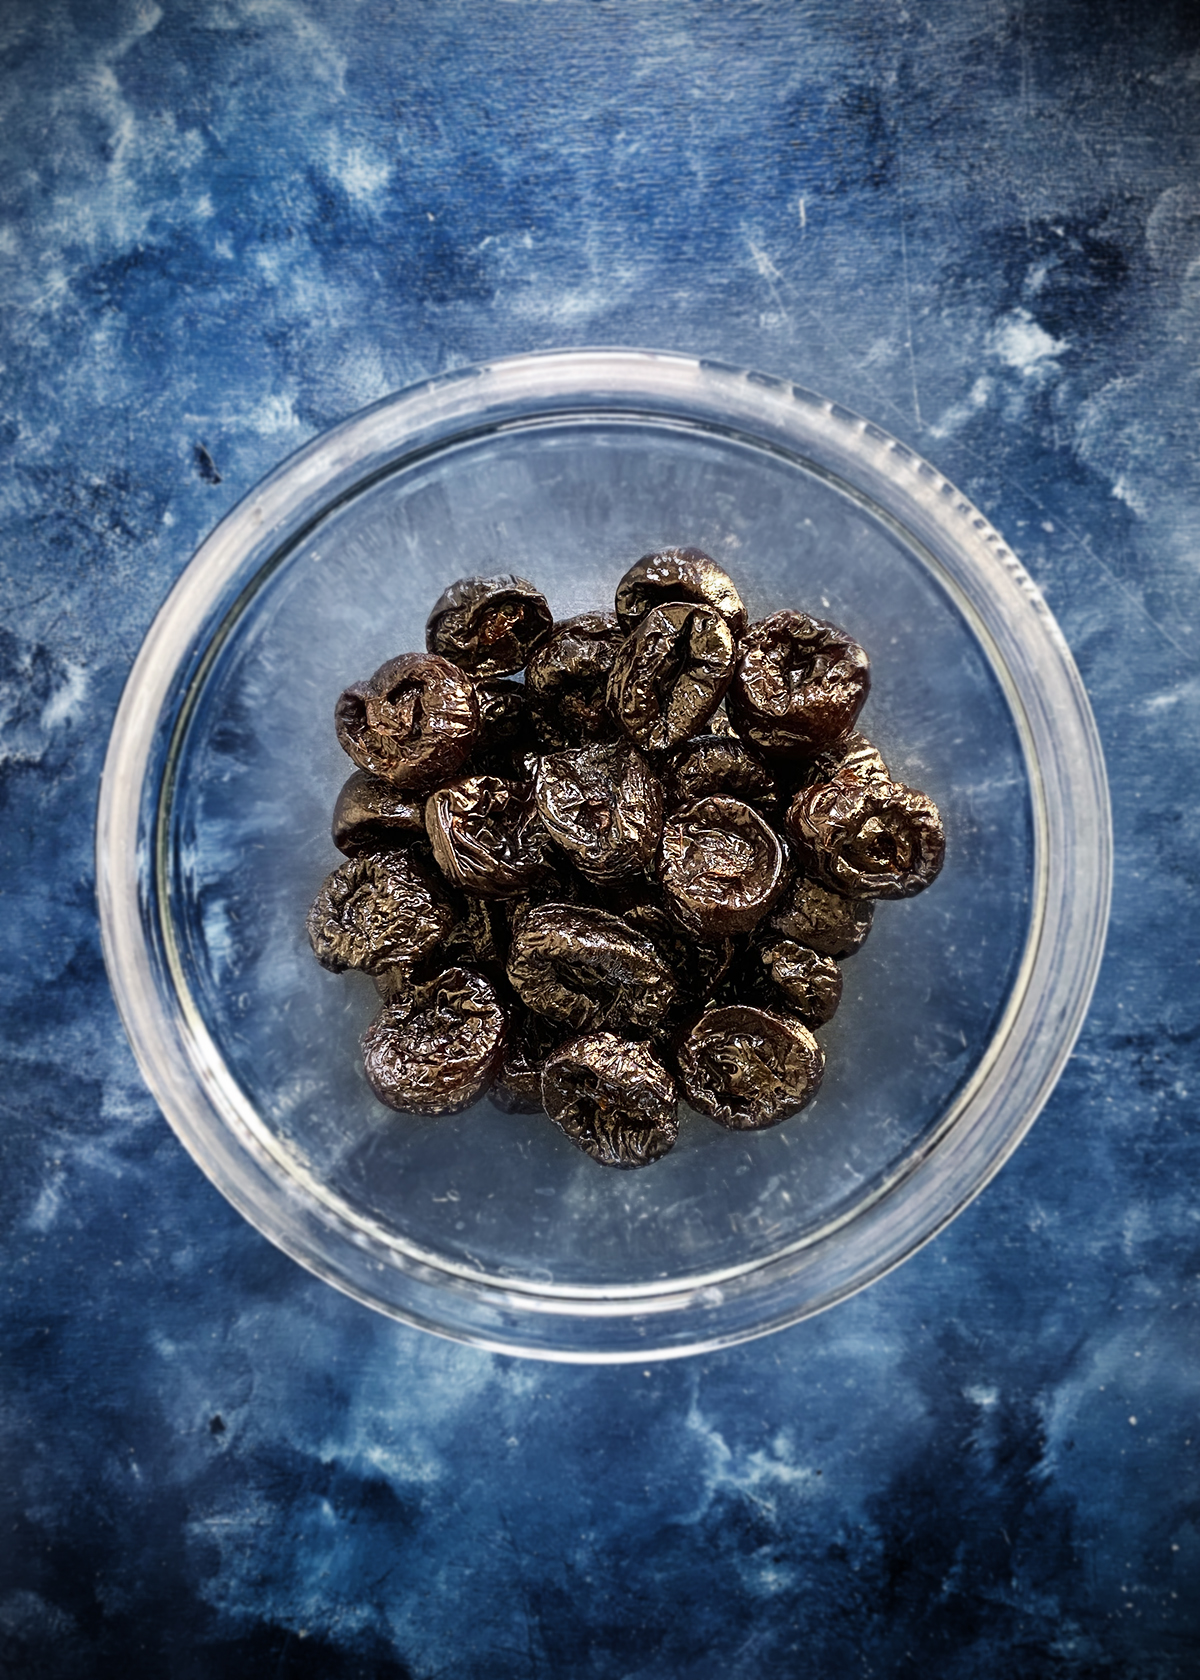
769 272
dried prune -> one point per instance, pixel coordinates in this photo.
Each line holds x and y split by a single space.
603 805
671 674
709 764
678 574
721 865
435 1051
373 816
613 1099
487 836
856 759
517 1087
568 677
799 686
824 920
749 1068
413 722
867 839
506 729
586 969
376 911
488 626
808 985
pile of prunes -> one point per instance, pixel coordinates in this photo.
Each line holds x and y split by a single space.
626 879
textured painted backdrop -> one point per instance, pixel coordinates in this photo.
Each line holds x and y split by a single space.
226 224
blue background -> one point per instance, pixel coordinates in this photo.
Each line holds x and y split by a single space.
226 224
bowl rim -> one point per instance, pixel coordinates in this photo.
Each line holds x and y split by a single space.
987 1118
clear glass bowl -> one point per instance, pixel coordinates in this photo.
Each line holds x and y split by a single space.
222 771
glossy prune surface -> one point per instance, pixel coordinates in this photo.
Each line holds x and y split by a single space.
614 1099
587 969
871 839
373 816
487 837
568 678
413 722
435 1051
488 626
824 920
722 866
799 686
603 805
374 912
749 1068
671 674
678 574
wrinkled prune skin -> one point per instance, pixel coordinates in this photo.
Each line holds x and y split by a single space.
487 836
678 574
517 1087
797 979
436 1051
603 805
568 678
855 760
373 816
867 839
721 865
478 939
506 729
613 1099
671 674
413 722
584 968
825 921
749 1068
799 686
375 912
489 626
720 764
698 967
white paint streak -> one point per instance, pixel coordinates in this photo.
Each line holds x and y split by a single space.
1022 344
64 704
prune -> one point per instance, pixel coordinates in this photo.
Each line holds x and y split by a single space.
678 574
506 728
671 674
586 969
697 966
825 921
413 722
478 939
373 816
613 1099
568 677
376 911
749 1068
721 865
799 686
435 1051
808 984
487 836
603 805
867 839
709 764
488 626
855 759
517 1087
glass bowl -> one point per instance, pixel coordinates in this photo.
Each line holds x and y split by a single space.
213 838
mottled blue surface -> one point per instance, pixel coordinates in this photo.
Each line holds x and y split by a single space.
226 225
